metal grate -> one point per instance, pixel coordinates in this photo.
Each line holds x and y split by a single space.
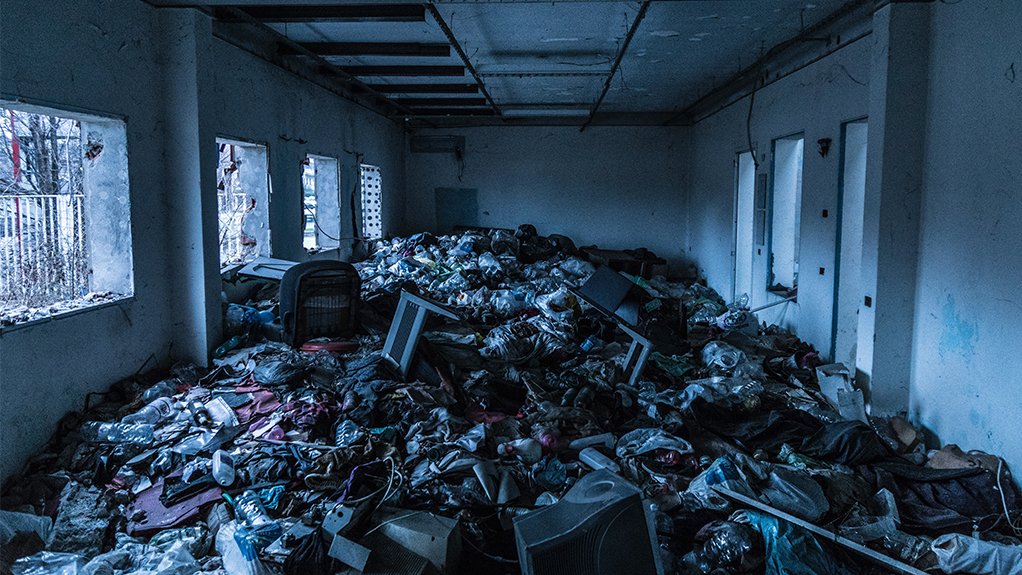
372 202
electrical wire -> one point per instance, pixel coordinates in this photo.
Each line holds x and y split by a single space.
748 129
1004 502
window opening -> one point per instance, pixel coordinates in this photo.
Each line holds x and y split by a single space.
785 213
372 196
242 202
321 204
65 233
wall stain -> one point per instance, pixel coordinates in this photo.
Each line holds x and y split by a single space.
959 336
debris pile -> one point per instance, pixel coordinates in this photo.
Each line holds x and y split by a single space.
320 462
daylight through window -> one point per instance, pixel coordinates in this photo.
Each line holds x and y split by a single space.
65 234
372 202
321 203
242 202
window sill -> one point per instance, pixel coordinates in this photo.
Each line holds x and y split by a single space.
782 291
66 314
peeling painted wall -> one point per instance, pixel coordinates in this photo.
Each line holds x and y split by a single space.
967 354
613 186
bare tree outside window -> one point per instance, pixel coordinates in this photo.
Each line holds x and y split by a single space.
43 240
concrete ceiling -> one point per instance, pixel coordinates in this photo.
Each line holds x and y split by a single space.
544 59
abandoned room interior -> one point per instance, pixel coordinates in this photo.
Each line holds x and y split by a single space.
716 287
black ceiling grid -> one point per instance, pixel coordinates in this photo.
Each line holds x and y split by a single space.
546 62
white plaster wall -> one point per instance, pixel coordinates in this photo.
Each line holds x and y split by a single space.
816 101
967 354
259 102
95 57
618 187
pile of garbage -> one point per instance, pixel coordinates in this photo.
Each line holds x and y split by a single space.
296 462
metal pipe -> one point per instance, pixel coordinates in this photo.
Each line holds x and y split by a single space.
772 304
617 61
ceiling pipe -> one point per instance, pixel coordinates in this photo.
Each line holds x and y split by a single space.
464 57
617 61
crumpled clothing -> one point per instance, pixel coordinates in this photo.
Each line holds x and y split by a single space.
938 501
846 442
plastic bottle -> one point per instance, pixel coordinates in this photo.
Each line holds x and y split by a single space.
165 388
249 510
223 468
256 530
227 346
153 413
199 412
528 450
97 432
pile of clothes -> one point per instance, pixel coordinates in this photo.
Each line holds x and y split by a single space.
296 462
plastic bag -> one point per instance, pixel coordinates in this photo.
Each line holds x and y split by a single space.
519 342
503 242
722 355
275 373
958 553
235 561
734 547
49 563
489 264
577 269
12 523
648 439
790 549
561 305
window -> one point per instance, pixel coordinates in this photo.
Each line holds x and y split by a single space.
320 194
372 201
243 196
785 213
65 233
745 182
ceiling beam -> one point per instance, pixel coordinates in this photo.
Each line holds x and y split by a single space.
426 88
356 13
363 71
440 102
455 112
464 57
376 49
617 61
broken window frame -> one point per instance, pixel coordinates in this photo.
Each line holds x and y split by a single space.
80 226
248 204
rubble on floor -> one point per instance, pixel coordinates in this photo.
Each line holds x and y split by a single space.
513 426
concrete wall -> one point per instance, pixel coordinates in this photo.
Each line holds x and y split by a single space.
616 187
967 356
815 101
293 118
96 57
177 88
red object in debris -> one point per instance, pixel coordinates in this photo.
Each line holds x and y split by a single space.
15 150
331 346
